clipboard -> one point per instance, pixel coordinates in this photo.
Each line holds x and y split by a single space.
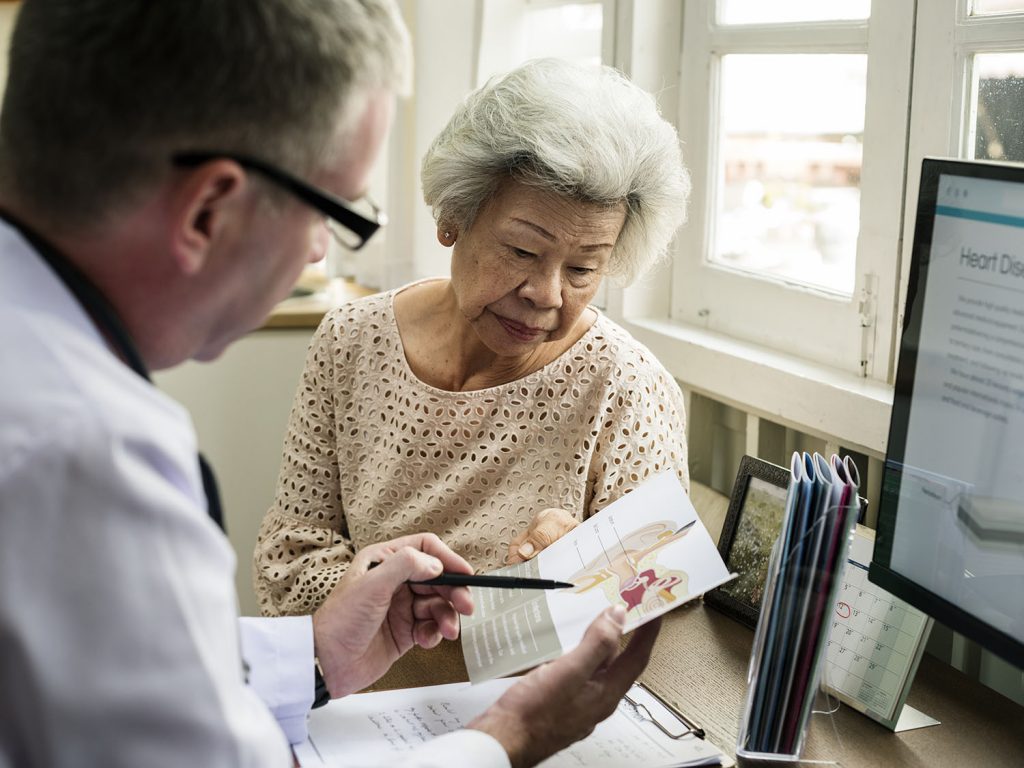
649 707
668 720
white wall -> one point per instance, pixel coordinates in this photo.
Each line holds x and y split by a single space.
444 34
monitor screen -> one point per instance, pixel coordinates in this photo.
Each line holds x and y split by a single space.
951 515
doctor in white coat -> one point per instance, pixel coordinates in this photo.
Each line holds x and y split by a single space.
166 170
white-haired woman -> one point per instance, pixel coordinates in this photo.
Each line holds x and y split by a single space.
497 407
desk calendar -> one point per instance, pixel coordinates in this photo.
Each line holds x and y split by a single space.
875 640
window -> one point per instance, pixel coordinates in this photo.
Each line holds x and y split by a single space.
968 92
998 106
977 51
514 31
788 11
932 77
792 118
570 30
788 172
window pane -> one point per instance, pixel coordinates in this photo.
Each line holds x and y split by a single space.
788 11
792 129
983 7
999 106
571 31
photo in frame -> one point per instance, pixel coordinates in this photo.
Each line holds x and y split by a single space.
752 524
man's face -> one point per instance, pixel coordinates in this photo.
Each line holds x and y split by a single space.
282 239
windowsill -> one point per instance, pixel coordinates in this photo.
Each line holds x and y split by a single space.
308 311
792 391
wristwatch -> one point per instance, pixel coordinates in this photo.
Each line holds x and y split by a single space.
320 693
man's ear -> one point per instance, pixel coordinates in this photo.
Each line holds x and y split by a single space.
204 202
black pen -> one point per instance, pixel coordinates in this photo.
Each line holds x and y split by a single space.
498 582
485 580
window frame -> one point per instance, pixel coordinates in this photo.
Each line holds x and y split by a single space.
847 333
946 39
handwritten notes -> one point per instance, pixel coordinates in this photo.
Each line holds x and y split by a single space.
378 728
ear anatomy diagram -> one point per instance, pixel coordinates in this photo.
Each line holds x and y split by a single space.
628 572
646 551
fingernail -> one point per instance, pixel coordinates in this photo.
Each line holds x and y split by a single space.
526 549
618 615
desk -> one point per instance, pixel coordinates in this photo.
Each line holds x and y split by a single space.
700 666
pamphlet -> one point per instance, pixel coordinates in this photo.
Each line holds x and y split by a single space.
647 551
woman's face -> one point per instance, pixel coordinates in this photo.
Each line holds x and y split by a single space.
530 265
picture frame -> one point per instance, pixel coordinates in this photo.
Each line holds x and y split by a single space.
752 524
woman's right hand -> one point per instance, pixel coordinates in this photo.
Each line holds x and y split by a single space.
547 527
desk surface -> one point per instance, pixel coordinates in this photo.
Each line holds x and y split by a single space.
700 666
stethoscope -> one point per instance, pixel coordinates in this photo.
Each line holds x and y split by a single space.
106 320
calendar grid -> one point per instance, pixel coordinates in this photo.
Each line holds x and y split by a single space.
874 638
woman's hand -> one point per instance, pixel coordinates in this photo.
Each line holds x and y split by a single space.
547 527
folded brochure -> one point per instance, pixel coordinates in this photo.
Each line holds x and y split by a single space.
647 551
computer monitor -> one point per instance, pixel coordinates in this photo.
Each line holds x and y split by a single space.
950 534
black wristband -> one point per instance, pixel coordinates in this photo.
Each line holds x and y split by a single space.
320 693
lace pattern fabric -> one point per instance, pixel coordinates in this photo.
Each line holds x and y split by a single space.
371 452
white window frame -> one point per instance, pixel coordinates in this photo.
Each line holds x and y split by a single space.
946 41
756 377
846 333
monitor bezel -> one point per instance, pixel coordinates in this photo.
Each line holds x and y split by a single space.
881 571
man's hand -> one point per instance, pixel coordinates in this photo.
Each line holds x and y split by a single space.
547 527
560 702
373 616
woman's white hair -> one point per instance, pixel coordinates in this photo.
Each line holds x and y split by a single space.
585 132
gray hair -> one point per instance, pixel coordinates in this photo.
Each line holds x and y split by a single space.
102 92
584 132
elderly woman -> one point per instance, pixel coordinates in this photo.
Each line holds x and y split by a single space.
473 405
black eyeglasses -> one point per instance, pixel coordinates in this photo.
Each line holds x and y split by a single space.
350 228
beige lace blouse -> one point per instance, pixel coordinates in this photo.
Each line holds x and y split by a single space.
372 452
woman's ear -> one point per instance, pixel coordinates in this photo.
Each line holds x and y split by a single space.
447 234
203 204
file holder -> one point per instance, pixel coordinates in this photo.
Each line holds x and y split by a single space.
803 580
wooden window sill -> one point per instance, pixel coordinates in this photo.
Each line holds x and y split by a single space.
308 311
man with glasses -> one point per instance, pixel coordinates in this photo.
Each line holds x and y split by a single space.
165 171
350 228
